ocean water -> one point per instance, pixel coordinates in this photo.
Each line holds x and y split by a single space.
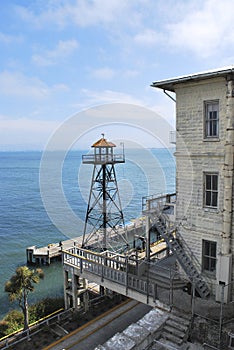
24 221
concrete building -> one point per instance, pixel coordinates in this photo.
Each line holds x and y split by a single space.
204 171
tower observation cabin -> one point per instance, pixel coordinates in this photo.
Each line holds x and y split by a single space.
104 222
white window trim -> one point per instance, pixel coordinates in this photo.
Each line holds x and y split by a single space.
205 206
208 272
205 136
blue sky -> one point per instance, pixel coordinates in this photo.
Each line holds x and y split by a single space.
62 57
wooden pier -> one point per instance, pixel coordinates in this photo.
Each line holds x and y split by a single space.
45 255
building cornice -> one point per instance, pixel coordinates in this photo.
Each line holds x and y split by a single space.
169 84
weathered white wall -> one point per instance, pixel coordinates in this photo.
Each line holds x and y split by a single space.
196 155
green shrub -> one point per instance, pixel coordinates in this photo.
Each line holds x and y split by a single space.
45 307
14 320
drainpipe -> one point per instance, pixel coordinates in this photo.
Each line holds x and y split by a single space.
228 170
224 267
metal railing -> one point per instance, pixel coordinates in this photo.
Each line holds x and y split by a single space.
21 335
158 201
156 206
103 158
126 271
115 268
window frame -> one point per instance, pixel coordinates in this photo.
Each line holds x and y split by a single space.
213 192
209 123
209 258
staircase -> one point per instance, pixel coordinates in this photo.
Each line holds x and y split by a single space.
163 274
177 246
176 330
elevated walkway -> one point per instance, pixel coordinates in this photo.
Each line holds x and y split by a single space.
124 274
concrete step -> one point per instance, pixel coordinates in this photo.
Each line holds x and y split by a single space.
164 280
181 326
174 330
164 344
172 338
179 319
183 315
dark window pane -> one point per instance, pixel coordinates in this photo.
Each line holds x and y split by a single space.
208 199
213 249
206 263
214 131
215 182
210 129
206 248
208 182
215 115
212 264
214 201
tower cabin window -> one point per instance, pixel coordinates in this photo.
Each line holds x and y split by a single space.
211 119
211 190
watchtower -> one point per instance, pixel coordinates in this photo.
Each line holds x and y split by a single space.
104 222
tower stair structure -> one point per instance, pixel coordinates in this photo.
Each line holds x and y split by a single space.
179 247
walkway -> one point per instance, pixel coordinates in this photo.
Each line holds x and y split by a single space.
98 331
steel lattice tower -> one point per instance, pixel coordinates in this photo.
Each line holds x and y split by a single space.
104 217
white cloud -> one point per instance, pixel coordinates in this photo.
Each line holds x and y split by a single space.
27 125
60 87
8 39
17 84
148 37
204 31
25 133
97 12
93 98
202 27
62 50
131 73
20 85
83 13
103 73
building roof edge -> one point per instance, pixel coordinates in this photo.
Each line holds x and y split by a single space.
168 84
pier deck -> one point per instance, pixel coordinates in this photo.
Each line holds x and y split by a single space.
45 255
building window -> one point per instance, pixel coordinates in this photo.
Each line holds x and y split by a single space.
211 190
212 119
208 256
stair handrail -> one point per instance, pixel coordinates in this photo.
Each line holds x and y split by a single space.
173 228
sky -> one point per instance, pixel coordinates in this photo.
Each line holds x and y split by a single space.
91 58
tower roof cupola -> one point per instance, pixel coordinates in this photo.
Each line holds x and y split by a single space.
103 143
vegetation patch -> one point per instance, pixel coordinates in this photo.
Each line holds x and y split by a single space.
14 320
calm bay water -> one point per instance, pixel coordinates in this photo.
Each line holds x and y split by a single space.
25 222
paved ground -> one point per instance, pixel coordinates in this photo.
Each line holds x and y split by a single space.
100 330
